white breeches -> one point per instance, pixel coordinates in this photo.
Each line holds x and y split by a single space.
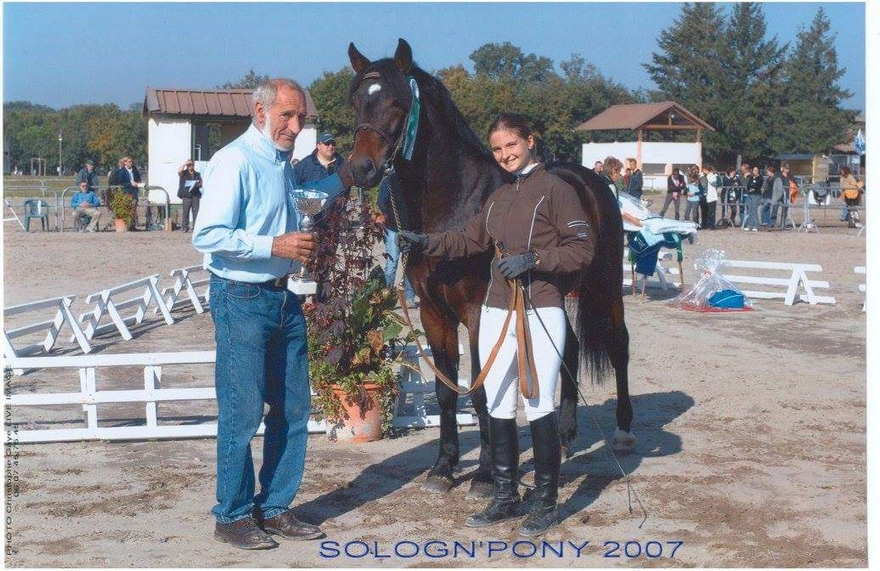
502 383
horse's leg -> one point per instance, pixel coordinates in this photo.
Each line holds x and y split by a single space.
443 339
481 484
618 353
568 392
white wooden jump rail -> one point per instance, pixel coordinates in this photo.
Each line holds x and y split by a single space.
106 304
796 278
90 397
862 288
62 315
183 281
413 383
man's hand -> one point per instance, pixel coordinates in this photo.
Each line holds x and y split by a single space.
513 266
294 246
408 240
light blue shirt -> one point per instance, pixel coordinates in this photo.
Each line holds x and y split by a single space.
247 202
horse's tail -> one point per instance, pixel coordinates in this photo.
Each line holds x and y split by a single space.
600 292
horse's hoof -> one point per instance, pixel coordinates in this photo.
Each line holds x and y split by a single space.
480 490
623 441
437 485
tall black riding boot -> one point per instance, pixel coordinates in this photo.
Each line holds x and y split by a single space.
504 443
548 457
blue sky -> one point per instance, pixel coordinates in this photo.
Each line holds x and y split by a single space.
72 53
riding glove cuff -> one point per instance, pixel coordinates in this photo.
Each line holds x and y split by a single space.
407 240
513 266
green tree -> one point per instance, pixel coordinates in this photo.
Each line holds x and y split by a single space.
688 68
250 80
814 119
752 84
330 95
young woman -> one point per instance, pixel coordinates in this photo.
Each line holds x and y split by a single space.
539 231
754 185
693 194
675 187
711 182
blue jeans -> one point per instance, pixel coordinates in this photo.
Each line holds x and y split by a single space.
262 357
752 201
393 251
765 212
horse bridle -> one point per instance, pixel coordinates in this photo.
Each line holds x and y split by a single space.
388 165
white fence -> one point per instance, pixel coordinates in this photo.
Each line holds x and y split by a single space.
107 304
90 397
184 282
790 278
414 387
63 315
862 288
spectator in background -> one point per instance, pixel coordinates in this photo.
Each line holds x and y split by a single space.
611 173
693 194
851 191
189 190
779 196
636 181
731 195
85 203
597 167
89 175
767 194
130 181
320 164
627 174
754 185
712 183
392 249
675 187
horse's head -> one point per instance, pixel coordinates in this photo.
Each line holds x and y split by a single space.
381 97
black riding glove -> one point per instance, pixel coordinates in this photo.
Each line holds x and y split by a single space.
407 240
513 266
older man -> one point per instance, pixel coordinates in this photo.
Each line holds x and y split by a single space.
247 229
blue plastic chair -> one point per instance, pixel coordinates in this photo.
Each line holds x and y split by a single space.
36 208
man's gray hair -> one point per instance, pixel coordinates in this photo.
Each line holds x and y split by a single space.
266 92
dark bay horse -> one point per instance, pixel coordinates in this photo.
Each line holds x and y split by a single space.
445 181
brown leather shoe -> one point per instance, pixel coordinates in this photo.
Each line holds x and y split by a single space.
287 526
244 534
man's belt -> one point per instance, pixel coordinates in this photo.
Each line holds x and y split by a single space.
277 282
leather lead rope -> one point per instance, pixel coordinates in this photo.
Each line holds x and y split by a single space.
525 354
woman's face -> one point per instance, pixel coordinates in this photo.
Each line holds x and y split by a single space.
755 171
510 150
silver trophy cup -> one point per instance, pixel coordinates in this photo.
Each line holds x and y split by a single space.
308 203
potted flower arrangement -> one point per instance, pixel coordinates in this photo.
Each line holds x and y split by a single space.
122 207
353 331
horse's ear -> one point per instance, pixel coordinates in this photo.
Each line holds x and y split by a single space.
358 62
403 56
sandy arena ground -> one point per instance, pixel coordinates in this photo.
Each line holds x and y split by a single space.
750 439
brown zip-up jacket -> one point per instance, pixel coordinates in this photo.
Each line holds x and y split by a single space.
538 212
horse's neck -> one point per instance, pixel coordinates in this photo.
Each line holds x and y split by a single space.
446 183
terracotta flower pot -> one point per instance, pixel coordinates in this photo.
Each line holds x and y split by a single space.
120 224
358 425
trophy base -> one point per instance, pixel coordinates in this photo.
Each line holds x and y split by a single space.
300 287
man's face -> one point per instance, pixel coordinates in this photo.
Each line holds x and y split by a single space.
785 171
83 187
127 163
190 167
597 167
89 167
327 150
284 119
